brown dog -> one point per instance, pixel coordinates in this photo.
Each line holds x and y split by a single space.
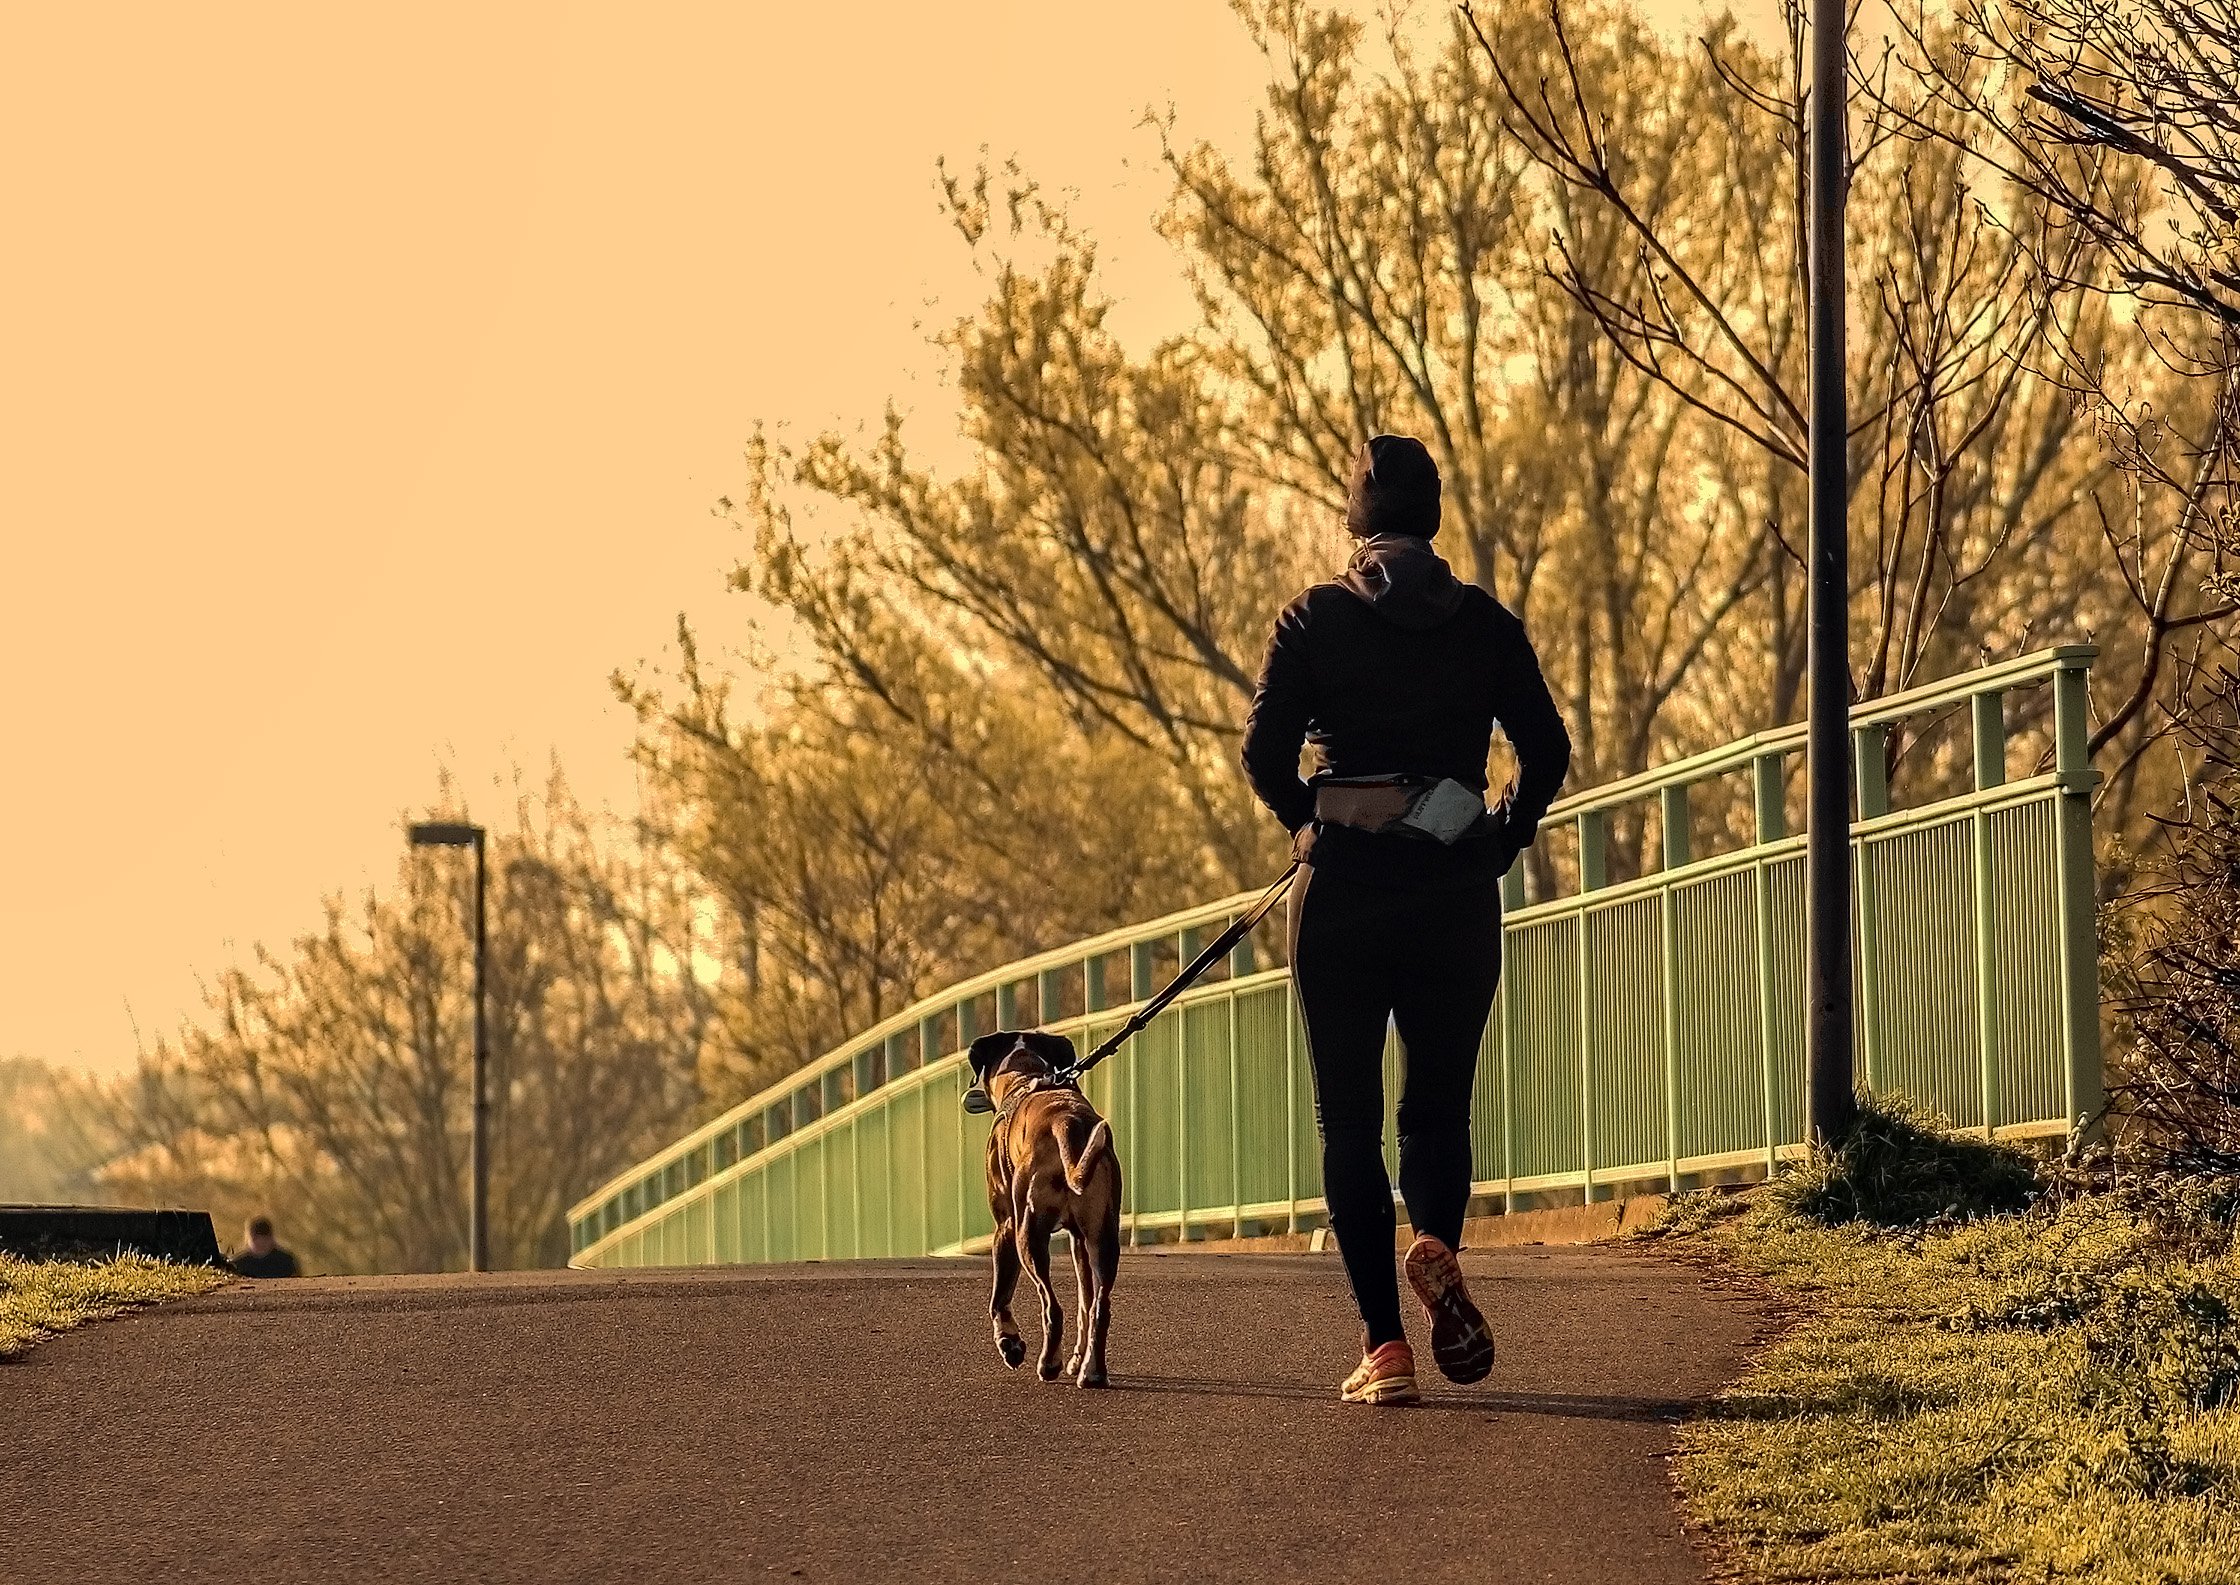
1050 1165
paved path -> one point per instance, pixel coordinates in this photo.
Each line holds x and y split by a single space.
851 1422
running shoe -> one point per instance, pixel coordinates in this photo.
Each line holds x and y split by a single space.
1385 1375
1460 1344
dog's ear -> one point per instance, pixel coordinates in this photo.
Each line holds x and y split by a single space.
988 1050
1056 1050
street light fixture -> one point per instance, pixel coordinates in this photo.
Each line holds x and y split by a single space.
459 834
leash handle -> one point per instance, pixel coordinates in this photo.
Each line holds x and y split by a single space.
1239 927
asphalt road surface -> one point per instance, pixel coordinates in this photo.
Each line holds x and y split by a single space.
852 1422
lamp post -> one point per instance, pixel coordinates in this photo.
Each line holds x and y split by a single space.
458 834
1828 1056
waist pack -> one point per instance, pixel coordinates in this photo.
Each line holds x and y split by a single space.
1445 811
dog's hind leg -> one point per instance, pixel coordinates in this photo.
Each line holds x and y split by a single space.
1086 1290
1005 1251
1034 1236
1100 1259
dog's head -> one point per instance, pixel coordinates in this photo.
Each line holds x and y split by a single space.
1011 1057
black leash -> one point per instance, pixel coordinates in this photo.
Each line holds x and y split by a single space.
1238 929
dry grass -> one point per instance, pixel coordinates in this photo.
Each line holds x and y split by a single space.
40 1298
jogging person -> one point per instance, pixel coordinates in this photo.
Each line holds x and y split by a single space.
1397 674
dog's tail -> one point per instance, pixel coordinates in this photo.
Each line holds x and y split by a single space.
1078 1167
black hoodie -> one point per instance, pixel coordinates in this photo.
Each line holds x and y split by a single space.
1400 666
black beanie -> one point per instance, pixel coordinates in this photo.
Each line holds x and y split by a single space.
1395 489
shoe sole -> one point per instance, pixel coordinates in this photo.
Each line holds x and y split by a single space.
1461 1346
1391 1390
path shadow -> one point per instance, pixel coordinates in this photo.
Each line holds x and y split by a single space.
1554 1405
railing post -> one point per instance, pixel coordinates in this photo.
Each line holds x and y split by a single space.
929 1052
1772 826
1987 717
1594 850
2083 1086
1135 1114
1672 817
739 1212
1291 1109
1236 1127
1594 873
1672 807
1139 983
1182 1114
1506 1003
827 1151
1139 990
1870 762
1769 816
1512 896
1870 749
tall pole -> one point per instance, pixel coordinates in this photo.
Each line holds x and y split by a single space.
1828 1057
465 834
478 1209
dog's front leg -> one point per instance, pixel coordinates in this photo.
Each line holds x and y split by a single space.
1005 1251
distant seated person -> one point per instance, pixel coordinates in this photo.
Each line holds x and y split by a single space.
264 1257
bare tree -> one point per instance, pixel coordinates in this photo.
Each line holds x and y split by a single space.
864 847
1100 543
2176 973
1381 265
2111 123
1987 510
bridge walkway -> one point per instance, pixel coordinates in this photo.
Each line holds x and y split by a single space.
849 1421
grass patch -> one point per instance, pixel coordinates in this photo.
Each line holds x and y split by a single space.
1899 1167
2049 1394
41 1297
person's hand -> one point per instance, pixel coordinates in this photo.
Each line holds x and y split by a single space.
1506 846
1302 843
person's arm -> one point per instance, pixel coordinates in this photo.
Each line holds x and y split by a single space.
1535 730
1282 706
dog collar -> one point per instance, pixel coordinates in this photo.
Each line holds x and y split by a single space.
1033 1086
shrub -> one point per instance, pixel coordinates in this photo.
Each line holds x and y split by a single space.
2175 1077
1900 1167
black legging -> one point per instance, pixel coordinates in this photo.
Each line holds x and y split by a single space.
1427 959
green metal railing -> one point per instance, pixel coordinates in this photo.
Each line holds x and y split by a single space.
1649 1028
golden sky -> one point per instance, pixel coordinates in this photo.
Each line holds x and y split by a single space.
369 374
